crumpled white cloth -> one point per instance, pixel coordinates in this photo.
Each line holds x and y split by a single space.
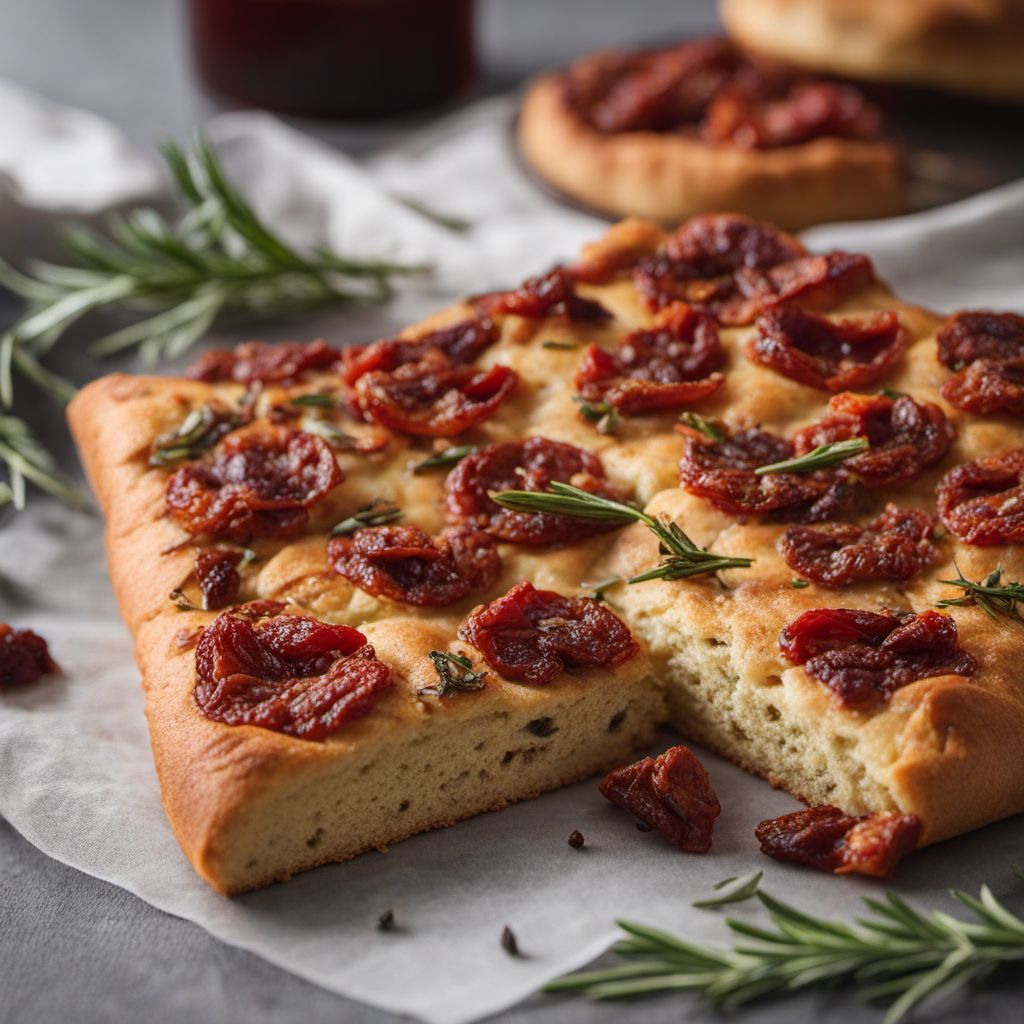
76 777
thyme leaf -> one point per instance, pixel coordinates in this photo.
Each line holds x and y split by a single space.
378 513
455 674
819 458
681 559
995 598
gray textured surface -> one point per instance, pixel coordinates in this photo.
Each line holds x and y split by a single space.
73 948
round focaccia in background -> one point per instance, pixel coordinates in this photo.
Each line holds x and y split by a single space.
701 126
962 46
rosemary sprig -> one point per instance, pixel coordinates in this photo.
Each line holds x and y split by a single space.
378 513
703 425
317 399
819 458
455 675
27 460
731 890
444 459
602 414
330 432
179 276
995 598
894 953
561 346
596 591
199 431
682 558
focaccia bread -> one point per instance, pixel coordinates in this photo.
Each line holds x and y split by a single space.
965 46
700 126
284 489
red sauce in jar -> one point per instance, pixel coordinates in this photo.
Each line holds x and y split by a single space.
335 58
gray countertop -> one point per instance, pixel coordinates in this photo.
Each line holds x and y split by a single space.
73 948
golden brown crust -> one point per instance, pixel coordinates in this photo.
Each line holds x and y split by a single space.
251 806
965 46
669 177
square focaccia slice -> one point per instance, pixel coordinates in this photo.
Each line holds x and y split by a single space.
345 640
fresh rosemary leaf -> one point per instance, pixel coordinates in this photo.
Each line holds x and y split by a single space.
995 598
319 400
596 590
564 346
378 513
820 458
695 421
444 459
798 584
176 279
455 675
681 557
601 414
199 431
894 953
732 890
27 460
330 432
892 393
460 225
6 494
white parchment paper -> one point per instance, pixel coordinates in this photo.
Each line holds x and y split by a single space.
76 777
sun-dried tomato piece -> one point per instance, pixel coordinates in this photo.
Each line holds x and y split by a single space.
982 502
433 397
259 362
988 387
809 110
24 657
461 343
833 355
896 545
864 657
257 483
534 635
547 295
289 673
976 334
824 837
723 473
405 564
734 269
218 576
528 465
906 436
664 368
712 244
672 793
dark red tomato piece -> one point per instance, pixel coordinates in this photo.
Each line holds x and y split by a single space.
810 110
982 502
218 577
824 837
712 244
535 635
988 387
975 334
24 657
433 397
671 793
551 294
405 564
254 362
528 465
664 368
906 436
289 673
864 657
257 483
896 545
723 473
461 343
833 355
